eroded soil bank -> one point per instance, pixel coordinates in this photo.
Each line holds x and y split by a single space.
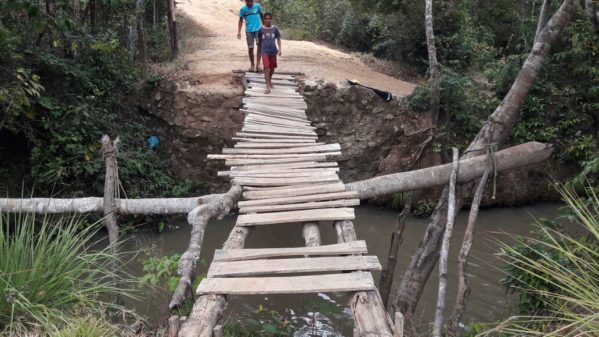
376 137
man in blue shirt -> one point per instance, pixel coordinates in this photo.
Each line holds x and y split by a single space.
252 14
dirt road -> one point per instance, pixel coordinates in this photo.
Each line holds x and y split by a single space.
220 51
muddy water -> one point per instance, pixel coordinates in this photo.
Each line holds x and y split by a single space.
327 314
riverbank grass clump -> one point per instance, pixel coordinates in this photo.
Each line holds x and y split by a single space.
556 274
52 275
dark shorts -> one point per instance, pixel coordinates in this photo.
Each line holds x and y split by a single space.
252 38
269 61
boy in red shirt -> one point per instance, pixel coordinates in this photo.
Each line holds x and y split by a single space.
269 37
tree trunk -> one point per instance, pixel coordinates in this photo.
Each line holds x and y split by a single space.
543 17
433 64
388 273
198 219
496 130
172 25
463 288
451 213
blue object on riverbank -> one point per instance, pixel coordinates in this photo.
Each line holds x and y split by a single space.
153 142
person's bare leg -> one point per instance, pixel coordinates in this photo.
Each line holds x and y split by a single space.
270 73
259 58
251 54
267 73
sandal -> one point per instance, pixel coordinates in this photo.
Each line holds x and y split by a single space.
251 70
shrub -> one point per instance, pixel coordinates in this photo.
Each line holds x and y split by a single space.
50 273
556 274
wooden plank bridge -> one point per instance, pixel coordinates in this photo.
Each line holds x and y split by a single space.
287 177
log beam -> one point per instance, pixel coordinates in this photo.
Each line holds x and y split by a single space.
470 169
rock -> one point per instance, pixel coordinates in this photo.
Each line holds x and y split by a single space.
378 109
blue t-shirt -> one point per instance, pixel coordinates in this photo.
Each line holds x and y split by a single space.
268 40
253 22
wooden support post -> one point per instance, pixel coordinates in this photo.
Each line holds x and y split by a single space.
218 331
399 325
174 324
110 150
371 318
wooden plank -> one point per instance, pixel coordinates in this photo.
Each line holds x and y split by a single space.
278 103
273 95
347 248
294 192
275 82
293 266
322 214
294 117
273 140
271 156
297 165
294 150
265 106
274 76
298 199
265 135
277 131
295 207
358 281
241 162
265 145
266 124
266 181
252 117
281 173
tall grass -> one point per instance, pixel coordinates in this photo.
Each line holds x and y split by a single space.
562 273
52 272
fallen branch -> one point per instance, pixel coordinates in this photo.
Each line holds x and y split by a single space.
470 169
463 288
198 219
388 273
451 213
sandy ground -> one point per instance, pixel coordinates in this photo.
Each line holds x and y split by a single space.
220 51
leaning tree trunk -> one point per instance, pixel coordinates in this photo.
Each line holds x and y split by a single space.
497 130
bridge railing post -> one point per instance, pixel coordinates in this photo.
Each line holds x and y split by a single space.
399 325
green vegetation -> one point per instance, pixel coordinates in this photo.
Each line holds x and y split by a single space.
481 46
66 73
52 277
556 274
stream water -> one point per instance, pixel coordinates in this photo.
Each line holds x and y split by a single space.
328 314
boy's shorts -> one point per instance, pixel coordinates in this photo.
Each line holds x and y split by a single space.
252 37
269 61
